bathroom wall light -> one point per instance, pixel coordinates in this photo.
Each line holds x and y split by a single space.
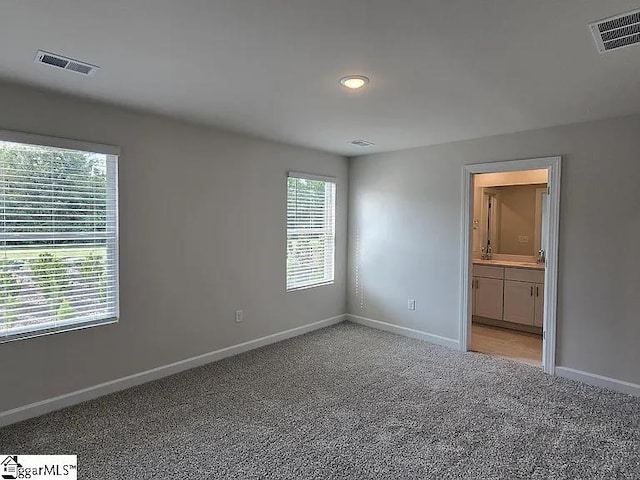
354 81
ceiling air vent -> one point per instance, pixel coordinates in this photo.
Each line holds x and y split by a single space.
616 32
65 63
361 143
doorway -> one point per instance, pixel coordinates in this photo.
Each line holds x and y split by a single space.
518 301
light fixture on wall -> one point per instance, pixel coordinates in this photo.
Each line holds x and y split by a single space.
354 82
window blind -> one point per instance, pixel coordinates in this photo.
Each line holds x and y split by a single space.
58 239
311 205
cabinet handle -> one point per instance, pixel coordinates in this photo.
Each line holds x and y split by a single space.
537 291
532 290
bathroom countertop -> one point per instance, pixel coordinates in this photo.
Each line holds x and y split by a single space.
509 263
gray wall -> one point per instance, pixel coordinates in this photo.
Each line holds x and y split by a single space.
412 249
202 225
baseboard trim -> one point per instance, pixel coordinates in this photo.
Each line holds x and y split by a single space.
68 399
404 331
599 380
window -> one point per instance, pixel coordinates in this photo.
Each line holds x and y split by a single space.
311 211
58 235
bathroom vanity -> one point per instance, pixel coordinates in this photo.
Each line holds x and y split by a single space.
508 294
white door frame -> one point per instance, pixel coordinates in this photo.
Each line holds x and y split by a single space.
553 165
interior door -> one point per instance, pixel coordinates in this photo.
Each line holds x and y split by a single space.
519 302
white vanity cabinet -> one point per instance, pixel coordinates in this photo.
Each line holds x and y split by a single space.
488 291
508 294
519 302
523 296
538 315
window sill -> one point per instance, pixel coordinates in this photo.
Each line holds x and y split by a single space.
307 287
60 328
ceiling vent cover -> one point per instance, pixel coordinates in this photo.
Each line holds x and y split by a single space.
361 143
65 63
616 32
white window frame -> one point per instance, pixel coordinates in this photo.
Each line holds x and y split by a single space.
332 267
57 142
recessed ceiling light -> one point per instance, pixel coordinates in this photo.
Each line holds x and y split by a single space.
354 81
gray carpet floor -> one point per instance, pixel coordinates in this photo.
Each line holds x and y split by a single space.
347 402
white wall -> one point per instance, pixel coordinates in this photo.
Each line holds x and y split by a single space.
202 224
405 216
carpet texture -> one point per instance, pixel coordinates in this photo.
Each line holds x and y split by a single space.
347 402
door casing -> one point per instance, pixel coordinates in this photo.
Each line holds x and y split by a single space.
553 166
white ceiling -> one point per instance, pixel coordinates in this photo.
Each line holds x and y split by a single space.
441 70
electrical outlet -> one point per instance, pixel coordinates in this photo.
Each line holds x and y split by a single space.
523 238
411 304
239 316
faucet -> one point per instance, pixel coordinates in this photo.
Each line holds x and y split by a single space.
540 258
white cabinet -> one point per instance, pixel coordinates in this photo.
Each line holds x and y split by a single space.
509 294
519 302
539 313
524 296
473 296
488 296
524 302
524 275
488 291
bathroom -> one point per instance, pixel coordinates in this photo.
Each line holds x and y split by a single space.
510 226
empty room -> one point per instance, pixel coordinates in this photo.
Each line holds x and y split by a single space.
306 239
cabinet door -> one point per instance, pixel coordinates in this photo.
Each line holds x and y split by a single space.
473 296
489 297
539 315
519 302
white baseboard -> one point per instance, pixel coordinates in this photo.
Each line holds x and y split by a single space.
405 331
56 403
599 381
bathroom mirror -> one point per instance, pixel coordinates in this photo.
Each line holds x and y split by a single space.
511 219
